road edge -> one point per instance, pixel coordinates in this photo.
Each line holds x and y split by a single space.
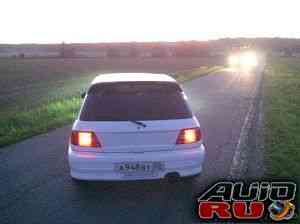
250 145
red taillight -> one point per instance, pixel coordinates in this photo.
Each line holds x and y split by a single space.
84 139
189 135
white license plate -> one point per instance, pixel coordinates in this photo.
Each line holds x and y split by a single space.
139 168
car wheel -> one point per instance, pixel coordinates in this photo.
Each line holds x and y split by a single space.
78 181
190 179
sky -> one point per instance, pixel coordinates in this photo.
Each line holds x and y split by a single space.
74 21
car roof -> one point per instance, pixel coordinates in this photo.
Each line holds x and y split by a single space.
132 77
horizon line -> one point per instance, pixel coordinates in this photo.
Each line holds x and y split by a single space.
134 41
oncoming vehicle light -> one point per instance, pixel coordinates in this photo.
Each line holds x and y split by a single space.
244 60
248 60
233 60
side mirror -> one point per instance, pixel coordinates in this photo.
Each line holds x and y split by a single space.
83 94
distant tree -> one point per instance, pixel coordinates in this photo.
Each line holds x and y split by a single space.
62 50
21 55
191 49
133 51
184 50
158 51
66 51
113 52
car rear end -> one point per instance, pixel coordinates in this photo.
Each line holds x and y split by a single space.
135 130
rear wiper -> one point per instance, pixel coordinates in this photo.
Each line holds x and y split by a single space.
138 123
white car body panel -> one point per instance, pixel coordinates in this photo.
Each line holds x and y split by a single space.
127 142
132 77
100 166
125 136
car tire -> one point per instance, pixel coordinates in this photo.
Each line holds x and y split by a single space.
78 181
190 179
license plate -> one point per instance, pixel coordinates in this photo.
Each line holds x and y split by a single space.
139 168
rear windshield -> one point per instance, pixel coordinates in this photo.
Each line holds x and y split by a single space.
135 101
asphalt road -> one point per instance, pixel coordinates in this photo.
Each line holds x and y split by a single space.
35 186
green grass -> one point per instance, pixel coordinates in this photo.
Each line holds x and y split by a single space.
282 105
38 95
282 120
39 120
193 73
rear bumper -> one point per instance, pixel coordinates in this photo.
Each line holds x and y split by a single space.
100 166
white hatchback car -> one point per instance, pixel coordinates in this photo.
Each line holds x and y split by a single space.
135 126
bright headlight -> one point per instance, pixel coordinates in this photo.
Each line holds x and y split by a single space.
248 60
233 60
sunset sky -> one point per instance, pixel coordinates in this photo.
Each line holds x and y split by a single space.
51 21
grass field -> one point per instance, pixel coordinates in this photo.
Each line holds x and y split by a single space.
281 92
282 117
40 94
282 103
